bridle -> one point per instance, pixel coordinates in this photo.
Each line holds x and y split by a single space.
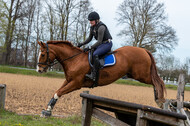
50 63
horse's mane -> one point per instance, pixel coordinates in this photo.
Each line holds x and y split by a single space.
63 42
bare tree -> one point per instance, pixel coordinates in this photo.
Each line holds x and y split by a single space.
64 10
19 36
2 22
187 62
82 26
168 62
145 25
60 9
31 4
171 67
37 30
14 12
51 19
22 22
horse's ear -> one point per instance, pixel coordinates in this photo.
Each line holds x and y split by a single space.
41 44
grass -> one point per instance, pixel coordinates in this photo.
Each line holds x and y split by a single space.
12 119
137 83
7 69
131 82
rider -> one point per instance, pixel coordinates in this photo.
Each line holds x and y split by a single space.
100 32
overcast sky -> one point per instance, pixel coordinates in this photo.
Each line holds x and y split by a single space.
178 17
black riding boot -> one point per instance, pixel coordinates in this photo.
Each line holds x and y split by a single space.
95 68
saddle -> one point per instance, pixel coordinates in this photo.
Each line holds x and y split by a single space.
105 60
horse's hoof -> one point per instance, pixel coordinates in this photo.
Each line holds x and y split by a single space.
160 104
45 113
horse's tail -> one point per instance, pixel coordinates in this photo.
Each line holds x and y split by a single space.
156 80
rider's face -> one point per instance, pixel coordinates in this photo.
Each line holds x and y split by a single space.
93 22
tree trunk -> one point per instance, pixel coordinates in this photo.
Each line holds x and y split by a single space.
62 26
7 42
10 30
67 17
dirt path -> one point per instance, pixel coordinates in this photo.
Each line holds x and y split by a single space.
30 94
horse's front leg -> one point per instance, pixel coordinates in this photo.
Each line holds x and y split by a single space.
65 88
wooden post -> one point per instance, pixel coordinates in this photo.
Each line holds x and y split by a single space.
2 95
86 111
180 96
140 121
166 104
180 92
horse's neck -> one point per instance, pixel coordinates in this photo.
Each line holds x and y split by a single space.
63 53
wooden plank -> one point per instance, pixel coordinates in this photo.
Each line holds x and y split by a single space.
180 92
160 118
186 104
2 95
86 111
188 113
184 113
140 121
115 107
107 118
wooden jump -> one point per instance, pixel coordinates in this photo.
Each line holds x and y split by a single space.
127 114
177 105
2 95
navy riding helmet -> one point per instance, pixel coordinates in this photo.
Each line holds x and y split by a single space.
93 16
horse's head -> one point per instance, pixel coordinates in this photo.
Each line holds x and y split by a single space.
45 58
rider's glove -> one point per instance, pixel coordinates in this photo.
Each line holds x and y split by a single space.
79 45
87 49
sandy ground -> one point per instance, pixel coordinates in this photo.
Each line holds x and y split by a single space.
30 94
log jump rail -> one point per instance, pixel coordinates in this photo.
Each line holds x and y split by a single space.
127 114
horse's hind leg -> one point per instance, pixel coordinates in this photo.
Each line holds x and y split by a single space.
158 100
155 94
156 97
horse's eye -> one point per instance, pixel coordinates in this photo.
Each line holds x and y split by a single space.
42 55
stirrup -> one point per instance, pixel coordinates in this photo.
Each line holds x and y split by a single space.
90 76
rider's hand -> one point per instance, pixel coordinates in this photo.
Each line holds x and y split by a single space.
79 45
86 49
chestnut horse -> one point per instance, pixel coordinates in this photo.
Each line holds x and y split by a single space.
137 63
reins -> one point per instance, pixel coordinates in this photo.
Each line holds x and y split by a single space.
56 61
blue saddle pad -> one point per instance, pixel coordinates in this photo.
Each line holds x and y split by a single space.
109 60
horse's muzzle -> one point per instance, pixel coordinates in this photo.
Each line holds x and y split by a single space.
41 70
